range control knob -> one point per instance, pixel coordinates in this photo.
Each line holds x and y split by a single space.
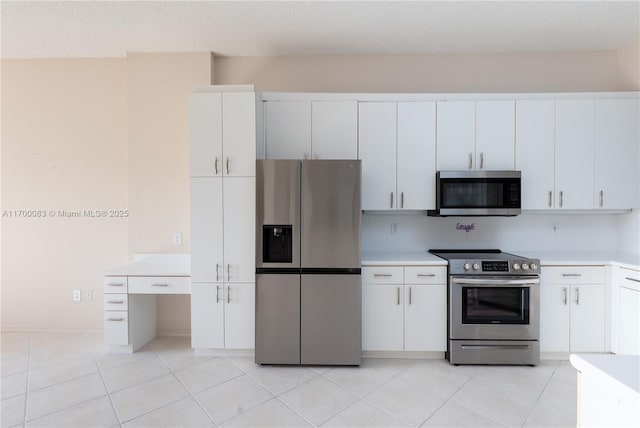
476 266
525 266
467 266
534 266
516 266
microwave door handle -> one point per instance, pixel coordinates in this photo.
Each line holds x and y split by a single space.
499 282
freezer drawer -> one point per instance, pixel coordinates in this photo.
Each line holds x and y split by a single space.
331 324
277 319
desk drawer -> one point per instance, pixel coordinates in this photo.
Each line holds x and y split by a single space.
159 285
630 279
116 328
573 275
115 302
425 275
115 284
382 275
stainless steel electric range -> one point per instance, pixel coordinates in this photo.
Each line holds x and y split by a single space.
493 307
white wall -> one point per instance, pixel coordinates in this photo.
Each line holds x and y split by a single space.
417 232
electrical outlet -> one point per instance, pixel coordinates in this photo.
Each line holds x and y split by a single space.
89 295
76 295
177 238
394 228
554 226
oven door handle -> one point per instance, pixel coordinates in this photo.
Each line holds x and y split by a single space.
496 282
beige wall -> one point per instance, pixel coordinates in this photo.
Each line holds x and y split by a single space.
553 72
629 67
64 147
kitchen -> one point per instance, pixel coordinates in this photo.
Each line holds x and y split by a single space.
151 193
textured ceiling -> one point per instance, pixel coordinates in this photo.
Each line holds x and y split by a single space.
54 29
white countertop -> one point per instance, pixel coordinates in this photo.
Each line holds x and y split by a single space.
154 265
401 258
623 368
582 258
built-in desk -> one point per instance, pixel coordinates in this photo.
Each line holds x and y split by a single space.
130 297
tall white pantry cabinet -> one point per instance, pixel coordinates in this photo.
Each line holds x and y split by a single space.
222 141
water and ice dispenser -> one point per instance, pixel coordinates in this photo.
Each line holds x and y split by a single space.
277 243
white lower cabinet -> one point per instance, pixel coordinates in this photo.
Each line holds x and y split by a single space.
222 315
408 313
626 312
572 309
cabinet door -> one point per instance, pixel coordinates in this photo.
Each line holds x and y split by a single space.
239 133
239 316
587 318
206 229
629 318
377 149
574 154
205 134
554 317
288 129
456 135
382 317
207 316
425 317
535 137
239 229
495 135
334 129
416 169
617 157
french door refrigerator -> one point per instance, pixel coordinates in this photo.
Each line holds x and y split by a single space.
308 263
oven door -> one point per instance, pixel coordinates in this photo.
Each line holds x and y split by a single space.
494 308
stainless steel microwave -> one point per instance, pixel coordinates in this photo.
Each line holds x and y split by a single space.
477 193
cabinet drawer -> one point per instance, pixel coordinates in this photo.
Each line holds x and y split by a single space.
382 275
630 279
115 284
573 275
115 302
425 275
159 285
116 328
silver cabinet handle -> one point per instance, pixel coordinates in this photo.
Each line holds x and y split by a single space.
426 274
561 199
632 279
409 295
160 285
215 165
564 289
398 295
571 274
601 199
470 160
577 290
217 275
228 294
116 302
228 272
217 294
391 204
401 199
115 319
227 166
481 160
384 275
116 284
550 194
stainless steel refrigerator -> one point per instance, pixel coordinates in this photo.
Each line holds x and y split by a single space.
308 284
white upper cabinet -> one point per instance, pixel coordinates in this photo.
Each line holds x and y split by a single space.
205 134
617 160
334 129
239 133
574 154
377 150
416 148
535 139
288 129
495 135
456 135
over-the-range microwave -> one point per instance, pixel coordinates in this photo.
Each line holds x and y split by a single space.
477 193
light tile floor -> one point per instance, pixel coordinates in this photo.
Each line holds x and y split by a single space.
69 380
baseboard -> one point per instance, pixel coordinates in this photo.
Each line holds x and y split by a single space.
173 332
21 329
422 355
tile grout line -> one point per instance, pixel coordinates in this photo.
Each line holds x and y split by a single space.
26 393
104 382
